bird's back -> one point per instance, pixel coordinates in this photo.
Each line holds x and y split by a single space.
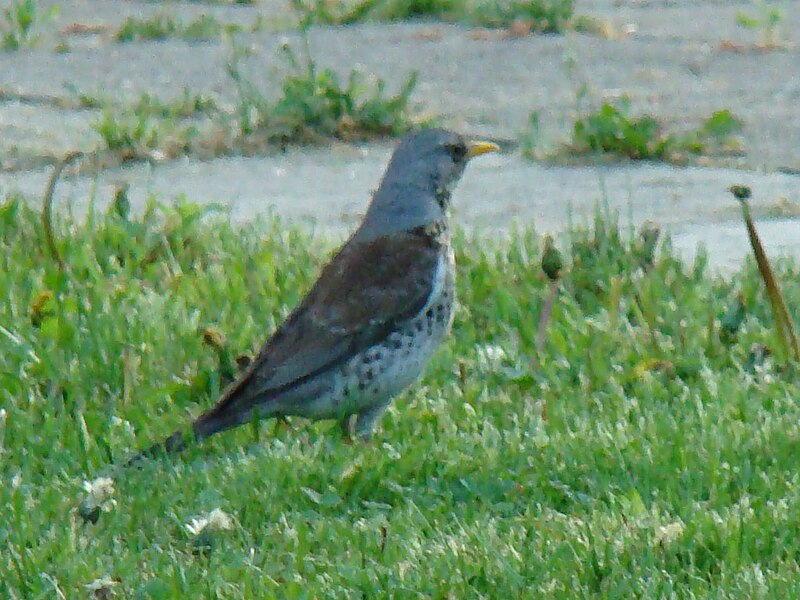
370 298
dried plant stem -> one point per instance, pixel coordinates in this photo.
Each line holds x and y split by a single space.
541 332
544 318
646 312
787 332
47 207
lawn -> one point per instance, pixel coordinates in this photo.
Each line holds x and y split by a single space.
652 452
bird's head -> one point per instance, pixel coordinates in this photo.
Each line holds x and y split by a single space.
419 180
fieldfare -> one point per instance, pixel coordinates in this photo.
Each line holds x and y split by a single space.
370 323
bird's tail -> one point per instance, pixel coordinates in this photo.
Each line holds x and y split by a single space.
234 408
218 418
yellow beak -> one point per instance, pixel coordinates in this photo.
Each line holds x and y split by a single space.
477 147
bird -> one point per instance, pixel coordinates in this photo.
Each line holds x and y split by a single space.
370 323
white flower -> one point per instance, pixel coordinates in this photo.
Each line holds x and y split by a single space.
102 587
667 534
219 520
116 422
491 356
216 520
197 525
99 493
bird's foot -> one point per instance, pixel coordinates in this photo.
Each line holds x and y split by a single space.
347 427
282 423
367 422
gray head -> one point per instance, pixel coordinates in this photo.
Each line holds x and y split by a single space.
421 175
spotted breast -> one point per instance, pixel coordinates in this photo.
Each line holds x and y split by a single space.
366 384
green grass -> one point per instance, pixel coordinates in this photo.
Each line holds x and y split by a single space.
547 16
315 104
150 127
162 26
666 465
20 22
768 20
613 131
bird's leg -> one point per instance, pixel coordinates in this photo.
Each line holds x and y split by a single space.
282 422
346 425
367 419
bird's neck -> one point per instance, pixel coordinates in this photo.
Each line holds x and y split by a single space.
443 195
391 210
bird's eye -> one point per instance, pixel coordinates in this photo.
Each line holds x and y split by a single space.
457 151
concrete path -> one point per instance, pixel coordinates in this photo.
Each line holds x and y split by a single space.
669 57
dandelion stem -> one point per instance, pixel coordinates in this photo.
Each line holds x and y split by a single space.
47 207
544 317
787 332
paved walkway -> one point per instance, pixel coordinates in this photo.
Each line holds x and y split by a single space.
668 56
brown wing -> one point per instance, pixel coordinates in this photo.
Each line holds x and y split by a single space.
358 299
